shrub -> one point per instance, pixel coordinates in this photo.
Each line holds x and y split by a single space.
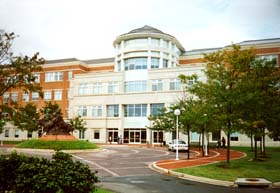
29 174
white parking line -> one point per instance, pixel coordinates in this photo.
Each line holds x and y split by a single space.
99 166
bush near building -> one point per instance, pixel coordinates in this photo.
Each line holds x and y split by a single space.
19 173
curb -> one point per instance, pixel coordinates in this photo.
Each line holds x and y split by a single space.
193 178
52 151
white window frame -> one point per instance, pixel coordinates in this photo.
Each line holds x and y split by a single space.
135 110
58 95
47 95
97 88
96 111
53 76
25 97
113 87
6 97
82 111
112 110
175 84
157 85
34 96
14 97
135 86
83 89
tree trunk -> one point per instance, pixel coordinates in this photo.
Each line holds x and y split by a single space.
256 146
264 150
199 140
189 143
251 137
228 147
202 143
208 144
261 147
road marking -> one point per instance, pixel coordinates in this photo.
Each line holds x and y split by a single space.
99 166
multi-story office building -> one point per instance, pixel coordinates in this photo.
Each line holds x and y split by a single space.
116 95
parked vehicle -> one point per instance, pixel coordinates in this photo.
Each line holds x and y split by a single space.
182 145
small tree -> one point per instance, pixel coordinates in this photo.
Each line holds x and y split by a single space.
26 118
78 124
15 72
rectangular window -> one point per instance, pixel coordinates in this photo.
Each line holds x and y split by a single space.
96 111
156 108
96 134
37 77
58 95
113 87
6 133
157 85
112 110
25 97
53 76
81 134
70 75
135 63
135 110
272 57
83 89
16 133
97 88
154 62
234 136
137 41
82 111
47 95
6 97
35 96
175 84
164 44
157 136
119 66
15 97
135 86
155 41
165 63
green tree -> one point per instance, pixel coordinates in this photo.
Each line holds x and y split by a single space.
26 118
16 71
78 124
221 92
260 100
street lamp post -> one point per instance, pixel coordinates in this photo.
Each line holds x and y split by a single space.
205 136
177 113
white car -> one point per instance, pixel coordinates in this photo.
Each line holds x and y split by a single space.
172 145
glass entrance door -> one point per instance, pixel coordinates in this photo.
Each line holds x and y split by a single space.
134 136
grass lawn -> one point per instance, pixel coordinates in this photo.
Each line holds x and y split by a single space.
61 145
268 168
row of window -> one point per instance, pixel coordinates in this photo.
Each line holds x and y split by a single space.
129 86
52 76
15 134
47 95
130 110
144 41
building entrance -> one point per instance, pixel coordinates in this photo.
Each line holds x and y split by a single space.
135 136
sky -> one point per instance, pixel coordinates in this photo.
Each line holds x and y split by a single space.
86 29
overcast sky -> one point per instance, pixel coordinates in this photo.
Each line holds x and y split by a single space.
86 29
